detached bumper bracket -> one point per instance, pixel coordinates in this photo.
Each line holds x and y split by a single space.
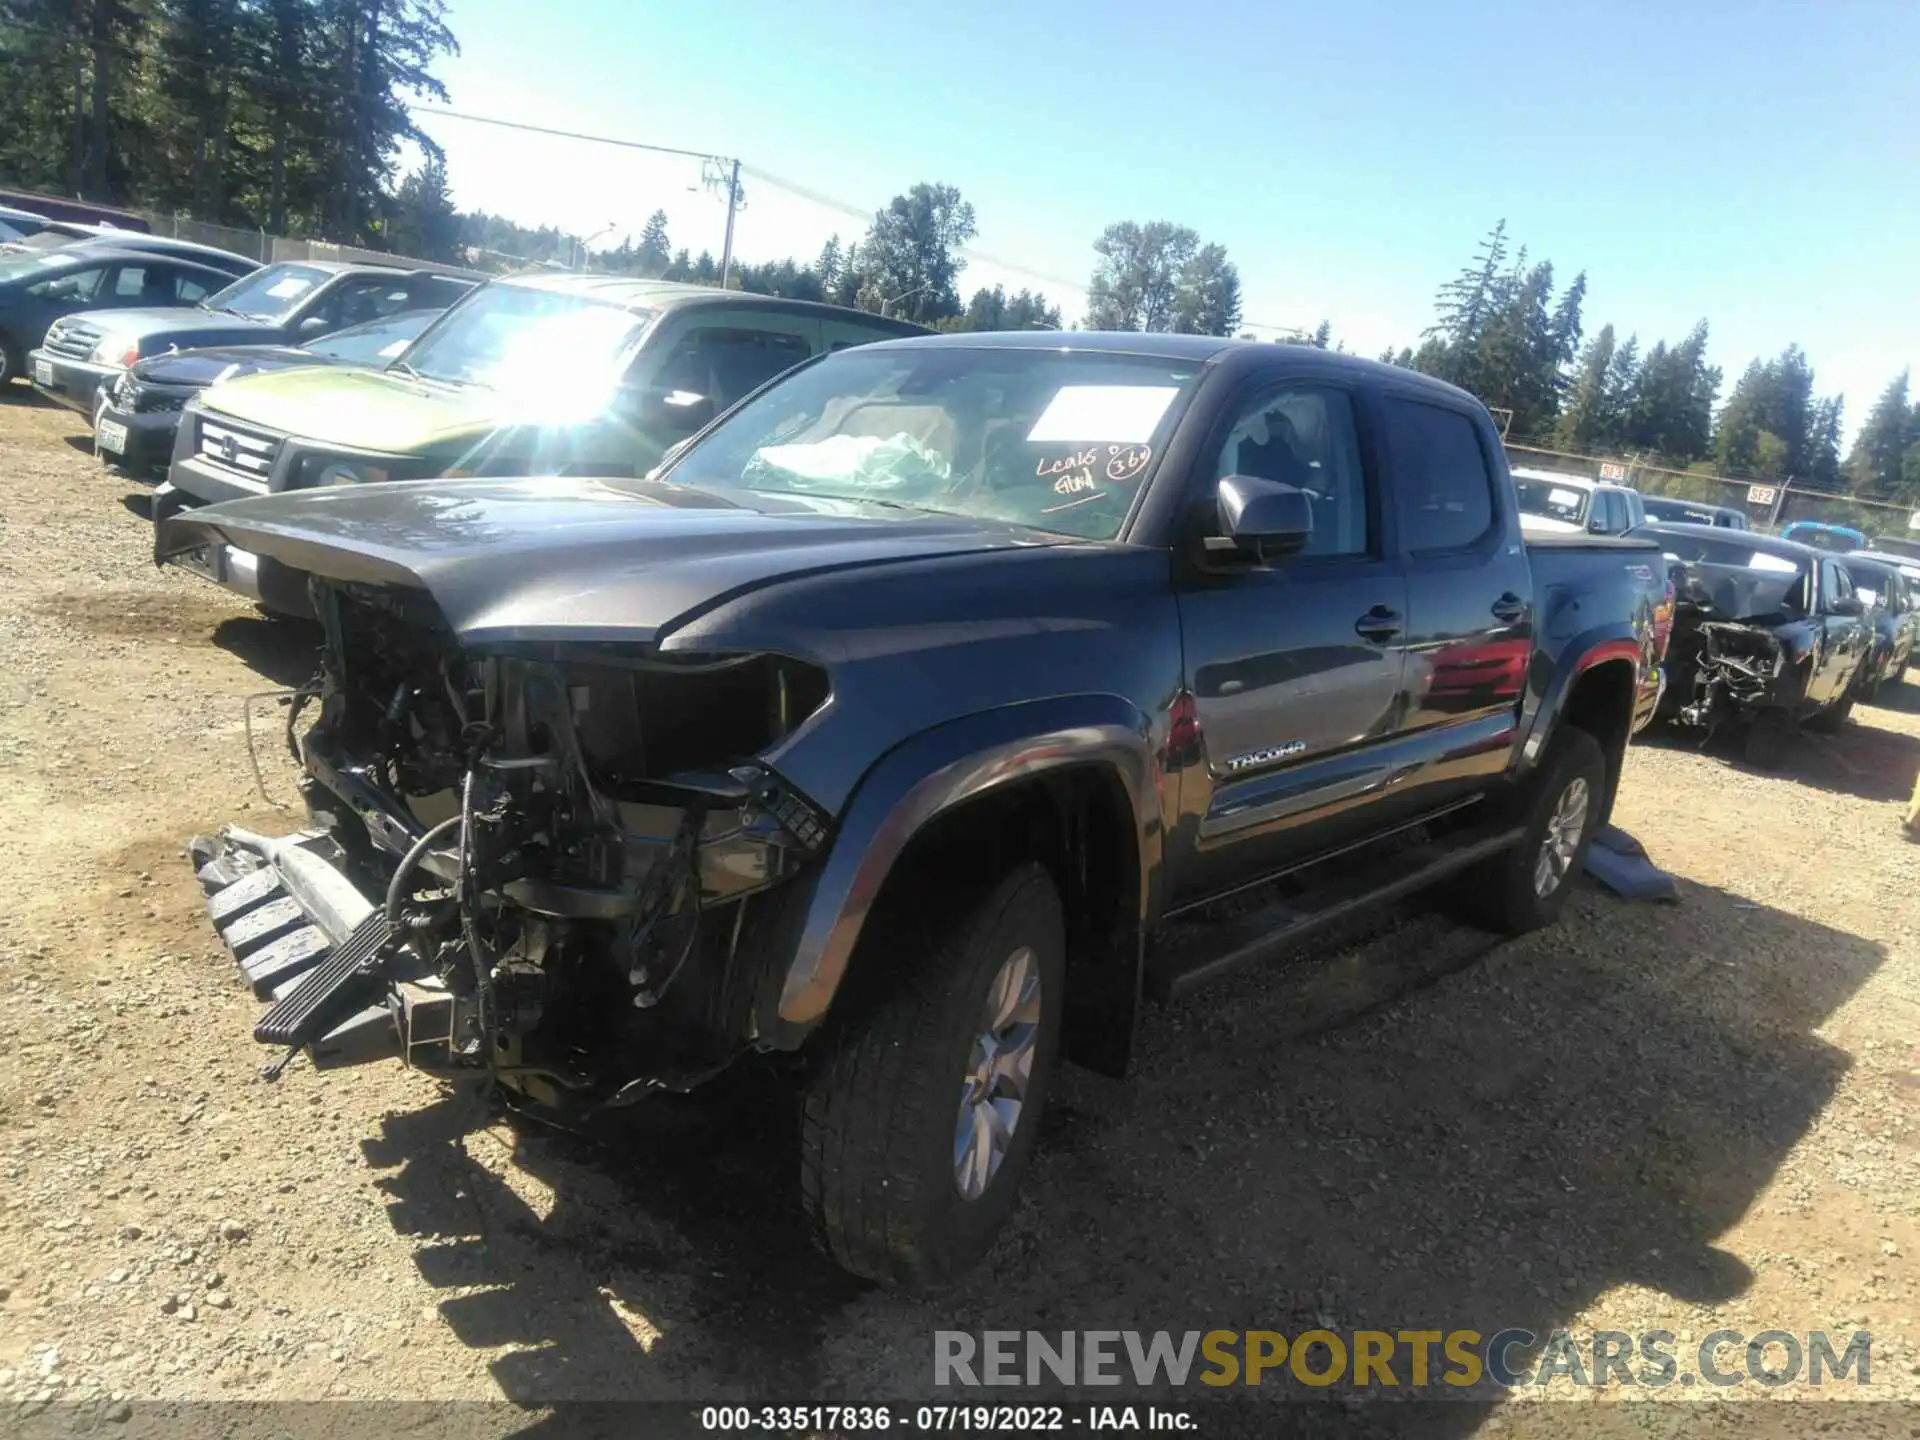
304 936
303 1014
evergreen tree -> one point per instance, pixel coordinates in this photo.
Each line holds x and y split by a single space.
1586 420
655 253
1877 465
425 225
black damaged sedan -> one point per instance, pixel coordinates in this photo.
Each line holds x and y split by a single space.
1768 636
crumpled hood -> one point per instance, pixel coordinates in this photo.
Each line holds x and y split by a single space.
573 559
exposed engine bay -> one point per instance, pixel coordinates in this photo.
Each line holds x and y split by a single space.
574 855
1726 660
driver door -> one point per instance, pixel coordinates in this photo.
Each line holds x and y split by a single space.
1294 667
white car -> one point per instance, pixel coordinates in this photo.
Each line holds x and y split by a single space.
1555 503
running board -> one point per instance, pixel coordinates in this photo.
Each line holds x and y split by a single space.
1248 939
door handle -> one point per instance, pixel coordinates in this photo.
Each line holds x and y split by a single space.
1379 624
1509 608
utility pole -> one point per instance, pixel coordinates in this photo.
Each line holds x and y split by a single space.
733 204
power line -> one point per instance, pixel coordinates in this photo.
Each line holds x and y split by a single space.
793 187
570 134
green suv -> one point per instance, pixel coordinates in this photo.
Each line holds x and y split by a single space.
557 374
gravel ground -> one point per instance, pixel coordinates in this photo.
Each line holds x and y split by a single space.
1681 1117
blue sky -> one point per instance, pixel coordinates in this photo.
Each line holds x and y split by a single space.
1755 164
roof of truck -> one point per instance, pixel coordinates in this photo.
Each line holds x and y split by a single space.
636 294
1299 359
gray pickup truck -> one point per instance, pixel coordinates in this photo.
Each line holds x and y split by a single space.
911 723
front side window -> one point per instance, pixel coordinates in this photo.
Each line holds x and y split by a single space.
1833 578
1056 441
362 299
1305 438
725 364
148 284
1441 482
80 285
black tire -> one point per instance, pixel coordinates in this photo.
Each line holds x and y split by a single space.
1501 893
12 364
1765 744
1829 720
879 1122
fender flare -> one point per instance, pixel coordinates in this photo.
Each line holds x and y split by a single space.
929 774
1604 644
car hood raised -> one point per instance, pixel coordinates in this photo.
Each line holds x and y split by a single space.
368 409
552 559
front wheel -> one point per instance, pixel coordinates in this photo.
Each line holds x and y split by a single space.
11 365
921 1116
1829 720
1526 887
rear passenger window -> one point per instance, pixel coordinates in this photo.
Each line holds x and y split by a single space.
1441 482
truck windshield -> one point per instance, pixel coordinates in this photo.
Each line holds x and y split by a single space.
1552 500
267 294
1059 441
527 340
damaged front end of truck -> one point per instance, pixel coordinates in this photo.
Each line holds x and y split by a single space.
559 865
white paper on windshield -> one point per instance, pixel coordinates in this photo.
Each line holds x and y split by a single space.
291 286
1563 497
394 349
1777 564
1113 414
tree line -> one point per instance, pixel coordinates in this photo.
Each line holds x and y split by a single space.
291 115
1503 332
284 115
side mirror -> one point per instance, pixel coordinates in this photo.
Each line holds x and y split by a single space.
311 326
1598 526
1845 605
1264 518
673 412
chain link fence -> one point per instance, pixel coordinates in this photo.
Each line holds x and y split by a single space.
1767 504
267 249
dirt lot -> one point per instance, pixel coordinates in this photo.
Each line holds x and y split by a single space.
1684 1117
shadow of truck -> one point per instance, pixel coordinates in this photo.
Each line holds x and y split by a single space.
1387 1137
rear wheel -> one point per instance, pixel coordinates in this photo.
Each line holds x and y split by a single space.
11 364
1525 888
920 1118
